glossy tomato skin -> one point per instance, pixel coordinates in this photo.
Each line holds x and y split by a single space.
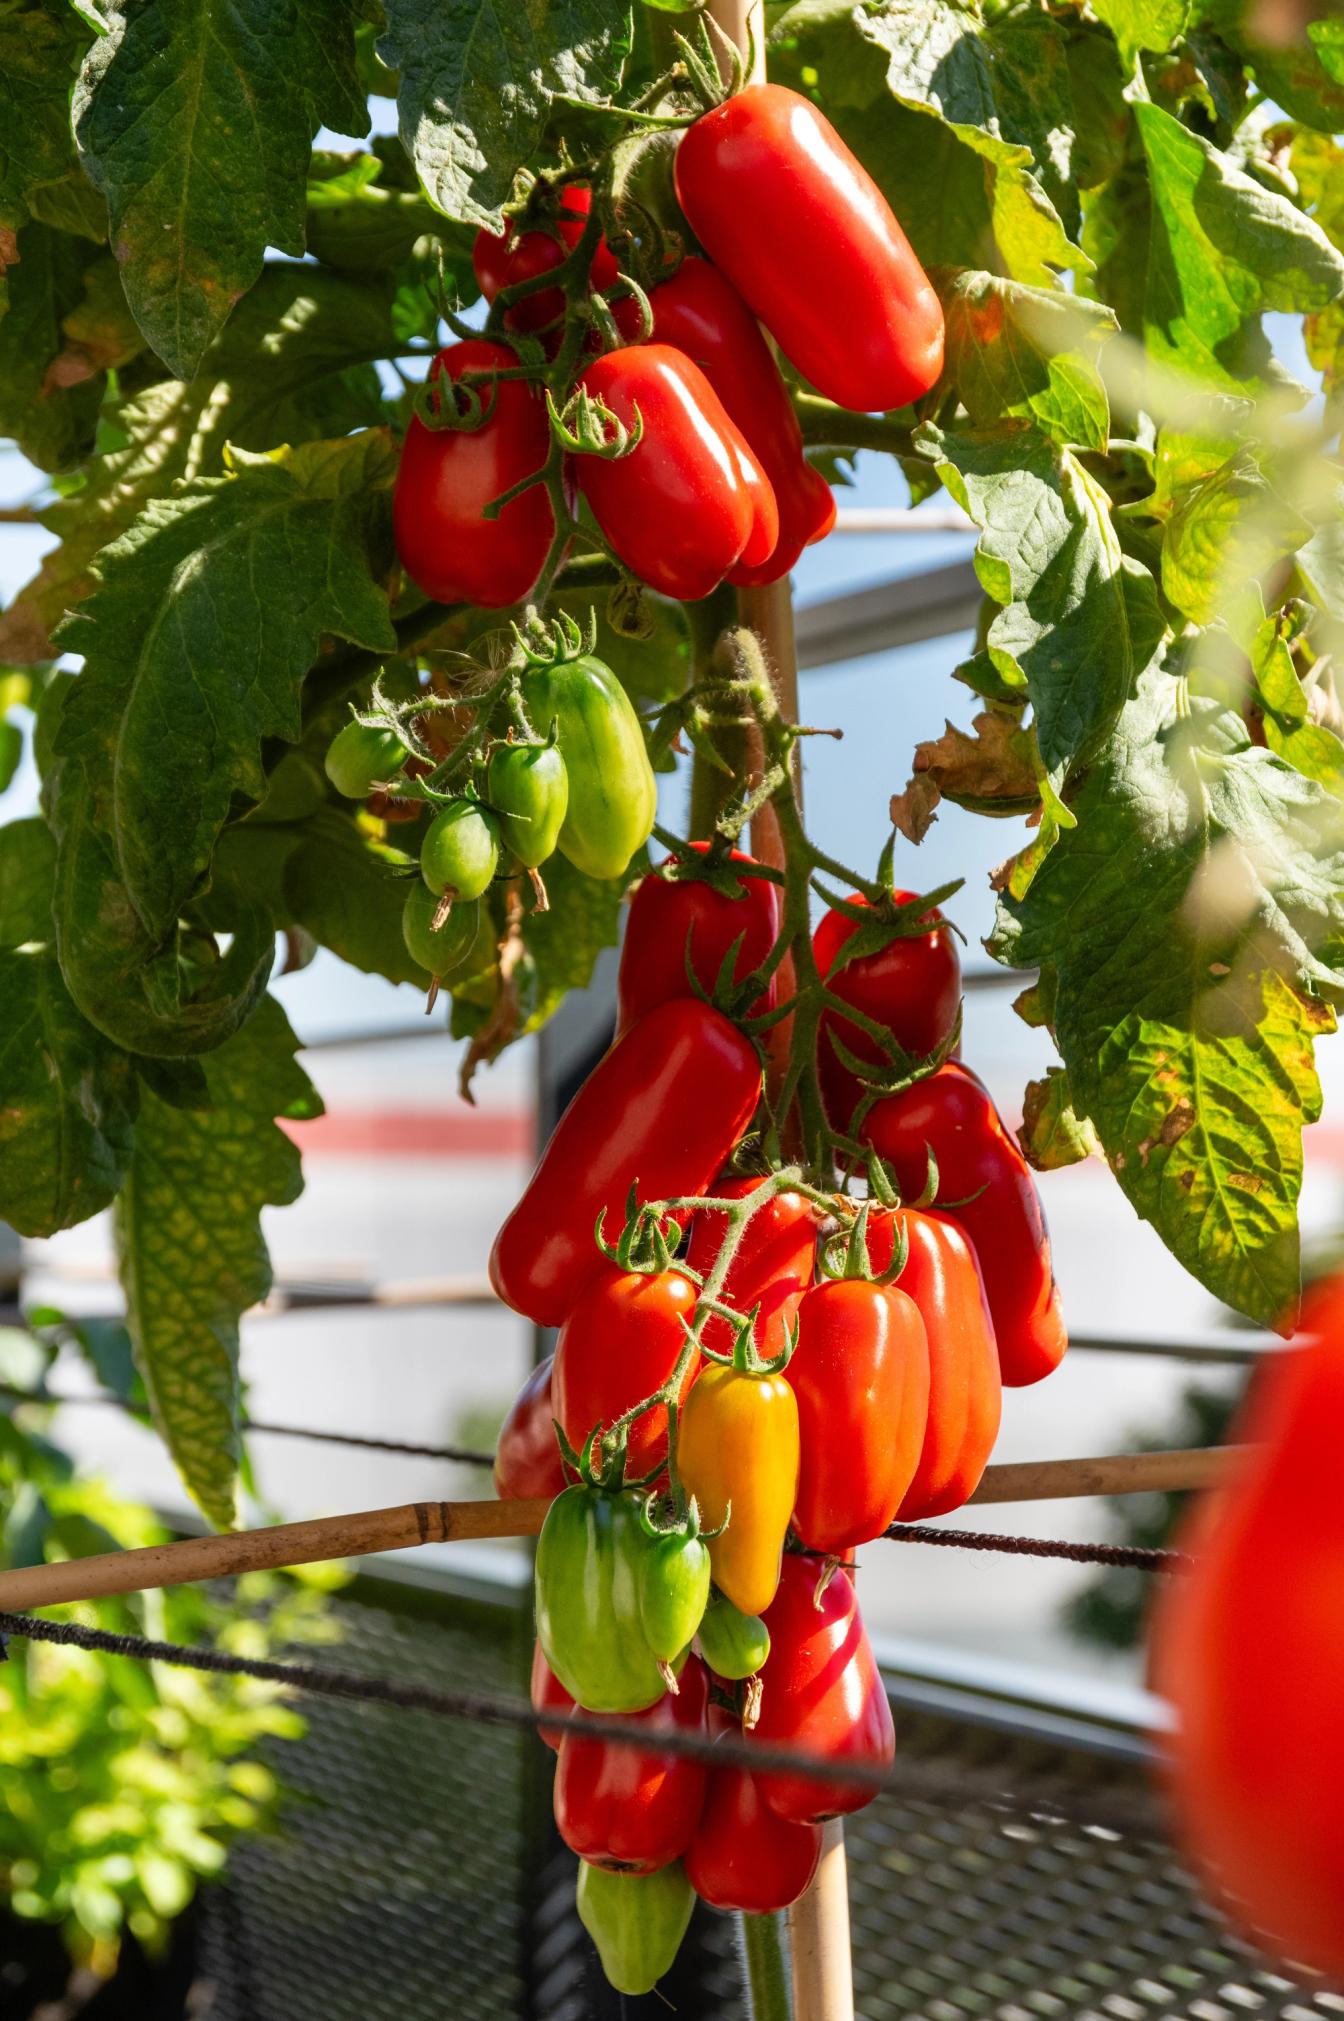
861 1377
821 1693
586 1589
621 1341
737 1452
850 305
774 1264
527 1457
665 918
448 476
913 987
1248 1647
985 1186
634 1809
663 1109
502 259
965 1388
548 1694
743 1855
611 794
699 312
675 509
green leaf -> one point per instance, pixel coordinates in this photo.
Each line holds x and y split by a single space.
359 227
477 81
294 363
943 65
52 423
196 123
1052 1134
190 1249
1221 250
209 613
1080 620
27 874
1030 353
37 52
1308 746
67 1101
1182 921
1143 24
1224 531
343 887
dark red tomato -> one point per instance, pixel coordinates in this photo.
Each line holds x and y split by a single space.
527 1457
662 1110
821 1693
548 1695
986 1188
621 1341
675 509
773 1266
913 987
668 919
861 1377
702 314
447 477
743 1856
1248 1646
808 239
632 1808
502 259
965 1389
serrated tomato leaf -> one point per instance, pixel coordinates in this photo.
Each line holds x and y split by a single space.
196 121
190 1249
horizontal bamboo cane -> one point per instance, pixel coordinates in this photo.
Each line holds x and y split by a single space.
413 1523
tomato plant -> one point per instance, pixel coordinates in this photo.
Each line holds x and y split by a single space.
419 521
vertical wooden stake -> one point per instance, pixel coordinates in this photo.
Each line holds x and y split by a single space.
823 1975
823 1988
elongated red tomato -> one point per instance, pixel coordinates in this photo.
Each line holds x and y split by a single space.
808 239
632 1808
527 1456
621 1342
448 476
912 986
984 1184
548 1694
821 1692
773 1267
701 313
662 1110
743 1856
502 259
671 924
1249 1647
965 1388
675 509
861 1377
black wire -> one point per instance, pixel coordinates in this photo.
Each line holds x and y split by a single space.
912 1776
1130 1556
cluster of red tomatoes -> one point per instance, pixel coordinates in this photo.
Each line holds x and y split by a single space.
847 1402
716 485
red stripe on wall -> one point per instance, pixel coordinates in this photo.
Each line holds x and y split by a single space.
459 1132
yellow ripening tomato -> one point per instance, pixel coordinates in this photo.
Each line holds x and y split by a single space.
737 1453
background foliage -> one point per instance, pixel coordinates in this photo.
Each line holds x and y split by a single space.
1112 198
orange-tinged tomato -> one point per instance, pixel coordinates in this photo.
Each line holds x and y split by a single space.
737 1453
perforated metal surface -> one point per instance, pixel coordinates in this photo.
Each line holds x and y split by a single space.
420 1880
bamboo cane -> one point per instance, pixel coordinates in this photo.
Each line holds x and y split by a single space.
416 1523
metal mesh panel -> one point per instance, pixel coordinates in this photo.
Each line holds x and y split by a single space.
419 1878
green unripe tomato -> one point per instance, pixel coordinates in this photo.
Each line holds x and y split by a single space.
734 1645
528 790
673 1589
443 953
460 850
637 1921
613 795
359 758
